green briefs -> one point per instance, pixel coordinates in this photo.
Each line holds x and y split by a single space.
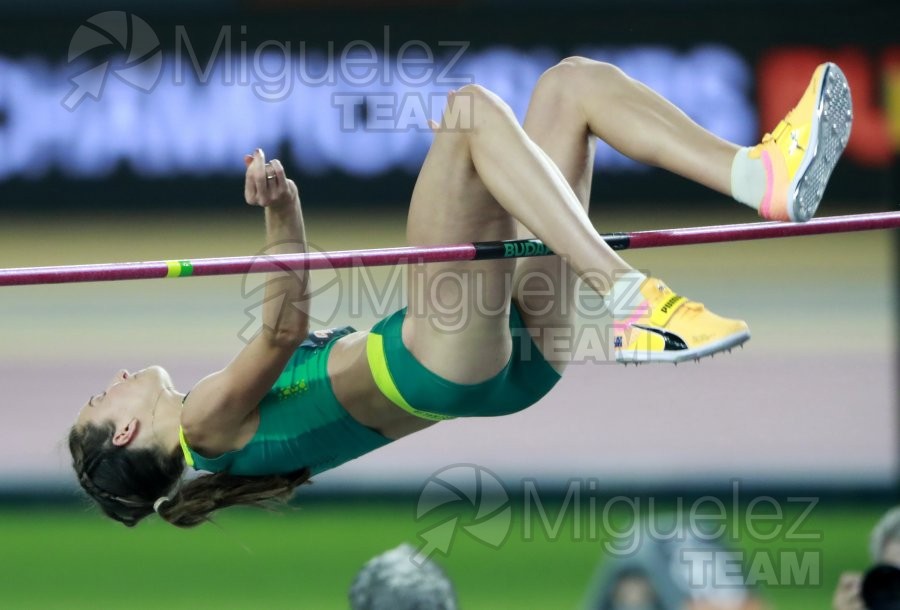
526 378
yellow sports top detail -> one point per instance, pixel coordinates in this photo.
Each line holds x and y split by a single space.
184 447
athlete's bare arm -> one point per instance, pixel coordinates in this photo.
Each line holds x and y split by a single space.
223 401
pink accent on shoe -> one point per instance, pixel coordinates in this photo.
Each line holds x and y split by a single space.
639 313
764 210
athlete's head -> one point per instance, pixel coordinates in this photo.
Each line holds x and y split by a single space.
122 443
127 455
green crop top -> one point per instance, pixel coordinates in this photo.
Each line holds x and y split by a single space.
301 422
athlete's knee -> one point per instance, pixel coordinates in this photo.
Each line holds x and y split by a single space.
480 95
472 106
573 75
574 64
558 86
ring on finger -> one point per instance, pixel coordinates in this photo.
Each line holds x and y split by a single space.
268 175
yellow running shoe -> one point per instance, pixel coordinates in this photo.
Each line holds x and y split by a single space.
666 327
801 152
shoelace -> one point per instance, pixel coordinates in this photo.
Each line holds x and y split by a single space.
694 306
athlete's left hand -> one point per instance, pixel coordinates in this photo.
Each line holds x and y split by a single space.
265 183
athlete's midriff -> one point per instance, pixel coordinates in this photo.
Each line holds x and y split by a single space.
355 389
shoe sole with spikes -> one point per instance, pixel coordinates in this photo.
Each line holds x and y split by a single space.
676 356
828 139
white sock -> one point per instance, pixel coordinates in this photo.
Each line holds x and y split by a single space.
748 179
626 295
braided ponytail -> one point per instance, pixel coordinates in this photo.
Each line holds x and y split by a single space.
196 500
129 484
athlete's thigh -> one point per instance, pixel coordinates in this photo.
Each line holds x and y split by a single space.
544 287
457 324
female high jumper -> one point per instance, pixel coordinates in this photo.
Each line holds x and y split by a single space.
292 404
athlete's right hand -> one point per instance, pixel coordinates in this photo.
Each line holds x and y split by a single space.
265 183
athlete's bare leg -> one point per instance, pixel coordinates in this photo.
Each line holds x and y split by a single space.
574 101
481 175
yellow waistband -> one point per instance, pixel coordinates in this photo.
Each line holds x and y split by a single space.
385 382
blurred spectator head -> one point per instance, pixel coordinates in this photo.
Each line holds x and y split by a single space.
885 542
392 581
633 590
679 572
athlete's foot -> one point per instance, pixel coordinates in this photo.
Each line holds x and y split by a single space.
801 152
665 327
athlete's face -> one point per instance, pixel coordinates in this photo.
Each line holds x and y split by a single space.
128 401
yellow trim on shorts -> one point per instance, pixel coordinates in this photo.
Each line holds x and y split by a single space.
184 447
385 382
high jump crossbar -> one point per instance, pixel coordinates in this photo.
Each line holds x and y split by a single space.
434 254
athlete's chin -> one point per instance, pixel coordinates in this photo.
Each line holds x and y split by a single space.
158 373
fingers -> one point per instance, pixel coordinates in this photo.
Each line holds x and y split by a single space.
255 187
252 183
846 597
249 185
258 171
277 172
281 188
851 581
266 183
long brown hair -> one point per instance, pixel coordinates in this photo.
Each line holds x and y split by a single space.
126 482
